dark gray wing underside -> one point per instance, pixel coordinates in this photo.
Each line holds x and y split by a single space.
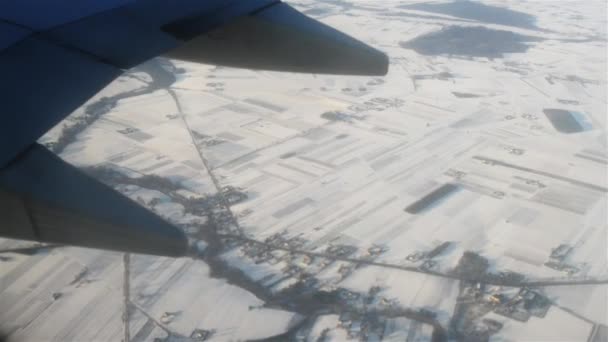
54 56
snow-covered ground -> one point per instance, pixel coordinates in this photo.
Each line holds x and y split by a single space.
334 164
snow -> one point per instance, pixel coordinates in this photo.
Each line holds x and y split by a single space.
557 325
590 301
332 182
212 304
329 322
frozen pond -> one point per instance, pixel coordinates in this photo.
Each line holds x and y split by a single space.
566 121
469 42
433 198
479 12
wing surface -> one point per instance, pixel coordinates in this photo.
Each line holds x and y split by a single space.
55 55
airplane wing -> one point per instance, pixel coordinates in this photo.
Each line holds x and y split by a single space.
55 55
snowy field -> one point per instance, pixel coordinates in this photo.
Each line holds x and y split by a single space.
462 196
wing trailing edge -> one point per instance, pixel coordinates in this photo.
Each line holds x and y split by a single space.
42 198
278 38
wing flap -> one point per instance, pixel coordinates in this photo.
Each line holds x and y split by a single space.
41 84
45 199
43 15
282 39
117 37
11 34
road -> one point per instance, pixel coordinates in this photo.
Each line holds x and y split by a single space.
489 281
541 173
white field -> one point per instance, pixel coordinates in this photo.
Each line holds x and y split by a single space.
349 182
90 309
558 325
